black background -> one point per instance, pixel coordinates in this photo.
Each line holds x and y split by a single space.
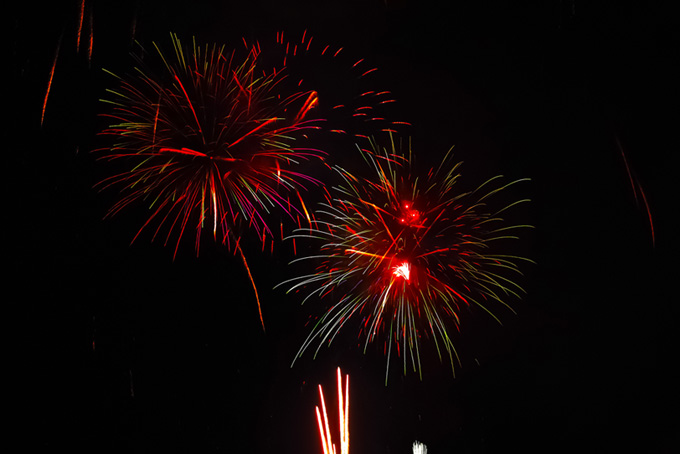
116 347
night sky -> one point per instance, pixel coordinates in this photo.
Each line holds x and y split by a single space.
113 347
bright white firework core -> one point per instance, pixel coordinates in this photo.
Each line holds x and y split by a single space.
403 270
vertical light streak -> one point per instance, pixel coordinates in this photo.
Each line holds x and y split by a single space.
49 82
80 24
343 413
252 281
91 41
215 207
323 440
343 418
324 431
419 448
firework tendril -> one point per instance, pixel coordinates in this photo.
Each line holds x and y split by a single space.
404 255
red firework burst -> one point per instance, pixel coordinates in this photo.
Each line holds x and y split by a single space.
210 141
406 254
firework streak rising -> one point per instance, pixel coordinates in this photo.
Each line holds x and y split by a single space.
404 254
208 143
343 415
419 448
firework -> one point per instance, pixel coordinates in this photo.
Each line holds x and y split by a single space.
343 419
419 448
207 141
405 254
635 183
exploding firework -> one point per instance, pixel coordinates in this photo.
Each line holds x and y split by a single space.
207 141
405 254
49 82
343 419
208 144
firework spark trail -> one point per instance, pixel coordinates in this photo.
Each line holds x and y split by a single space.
634 183
49 81
406 254
81 16
252 281
327 444
90 42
